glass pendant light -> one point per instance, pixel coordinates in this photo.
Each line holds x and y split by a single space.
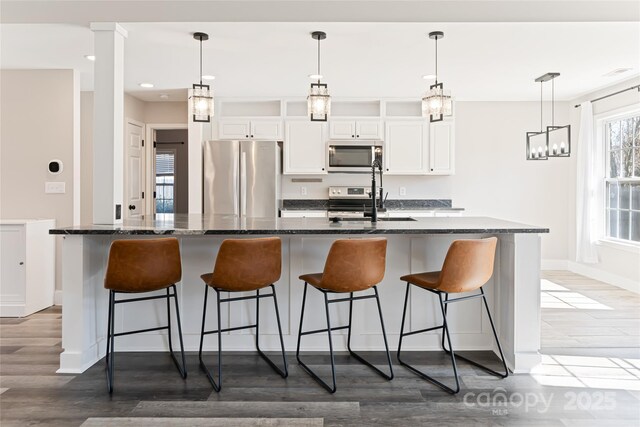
437 102
318 101
201 96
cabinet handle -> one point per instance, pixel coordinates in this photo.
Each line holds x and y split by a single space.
322 168
251 136
132 207
246 136
431 169
357 136
387 169
353 136
21 262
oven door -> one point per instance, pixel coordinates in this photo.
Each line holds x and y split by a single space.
352 156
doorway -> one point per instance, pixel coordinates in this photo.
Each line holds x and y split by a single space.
171 166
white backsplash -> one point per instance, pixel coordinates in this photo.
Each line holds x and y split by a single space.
417 187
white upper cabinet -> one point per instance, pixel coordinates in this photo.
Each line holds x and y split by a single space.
304 148
441 148
406 148
352 129
250 129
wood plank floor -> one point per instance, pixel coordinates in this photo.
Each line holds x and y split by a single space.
590 377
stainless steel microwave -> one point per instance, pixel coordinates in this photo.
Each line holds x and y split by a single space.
353 156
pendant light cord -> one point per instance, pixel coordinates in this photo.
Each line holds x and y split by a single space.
318 60
200 60
553 102
436 59
540 106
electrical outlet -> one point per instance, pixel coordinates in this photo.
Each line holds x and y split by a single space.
403 191
303 191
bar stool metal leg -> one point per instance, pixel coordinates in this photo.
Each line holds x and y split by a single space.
181 368
283 373
384 335
495 335
109 356
217 386
445 332
330 389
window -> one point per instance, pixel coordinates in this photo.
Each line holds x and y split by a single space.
622 182
165 179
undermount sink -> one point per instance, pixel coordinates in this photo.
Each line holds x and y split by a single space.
369 219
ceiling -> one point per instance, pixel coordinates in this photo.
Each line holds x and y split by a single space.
477 61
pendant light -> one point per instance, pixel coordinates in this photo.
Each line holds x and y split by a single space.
437 102
555 141
318 101
201 96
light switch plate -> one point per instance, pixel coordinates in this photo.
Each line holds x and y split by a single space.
403 191
54 187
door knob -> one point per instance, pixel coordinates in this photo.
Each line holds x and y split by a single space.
132 207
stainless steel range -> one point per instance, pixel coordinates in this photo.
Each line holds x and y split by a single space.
349 202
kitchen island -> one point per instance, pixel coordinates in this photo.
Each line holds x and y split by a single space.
413 246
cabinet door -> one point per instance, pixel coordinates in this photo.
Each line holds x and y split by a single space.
304 148
266 129
441 151
234 129
12 269
369 130
406 148
342 129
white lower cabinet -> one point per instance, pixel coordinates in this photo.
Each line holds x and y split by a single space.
304 148
27 266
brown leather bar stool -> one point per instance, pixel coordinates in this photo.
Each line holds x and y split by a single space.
467 267
351 266
138 266
244 265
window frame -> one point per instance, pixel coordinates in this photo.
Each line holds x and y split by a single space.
174 153
602 136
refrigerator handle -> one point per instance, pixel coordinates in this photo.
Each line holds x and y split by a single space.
243 183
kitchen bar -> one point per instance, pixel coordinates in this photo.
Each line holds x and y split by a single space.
413 246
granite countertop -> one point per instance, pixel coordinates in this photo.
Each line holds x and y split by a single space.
195 224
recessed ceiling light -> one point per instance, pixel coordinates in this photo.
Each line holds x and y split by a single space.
617 71
164 96
208 77
90 57
315 76
147 85
429 76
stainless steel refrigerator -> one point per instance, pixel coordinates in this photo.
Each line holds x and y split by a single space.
242 178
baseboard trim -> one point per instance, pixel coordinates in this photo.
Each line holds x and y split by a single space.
554 264
604 276
57 297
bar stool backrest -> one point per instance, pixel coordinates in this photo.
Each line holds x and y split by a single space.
248 264
143 265
468 265
354 264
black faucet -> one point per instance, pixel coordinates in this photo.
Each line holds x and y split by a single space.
374 205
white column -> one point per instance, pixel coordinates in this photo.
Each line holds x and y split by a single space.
196 132
108 118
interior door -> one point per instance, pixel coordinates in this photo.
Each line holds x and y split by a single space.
134 178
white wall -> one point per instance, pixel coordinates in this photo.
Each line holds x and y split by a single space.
617 265
38 108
